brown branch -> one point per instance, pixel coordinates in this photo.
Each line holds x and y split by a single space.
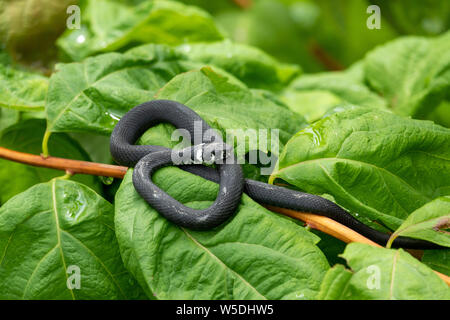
244 4
320 223
341 232
72 166
326 225
329 62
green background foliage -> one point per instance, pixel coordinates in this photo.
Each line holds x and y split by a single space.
363 115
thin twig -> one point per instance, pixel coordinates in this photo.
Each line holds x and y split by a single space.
71 167
329 62
326 225
244 4
68 165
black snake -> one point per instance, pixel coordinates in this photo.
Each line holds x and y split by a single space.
148 158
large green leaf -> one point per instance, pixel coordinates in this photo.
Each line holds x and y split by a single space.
374 163
111 25
26 136
256 255
428 223
312 104
379 273
93 95
225 104
249 64
313 95
412 73
50 232
22 90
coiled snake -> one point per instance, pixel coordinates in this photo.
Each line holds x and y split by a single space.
148 158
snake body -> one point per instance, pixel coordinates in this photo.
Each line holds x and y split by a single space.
146 159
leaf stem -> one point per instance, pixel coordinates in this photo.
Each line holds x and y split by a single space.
391 240
47 135
67 176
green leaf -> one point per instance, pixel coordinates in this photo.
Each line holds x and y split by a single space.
312 104
334 282
49 231
382 274
249 64
26 136
21 89
92 96
374 163
313 95
256 255
438 260
411 73
8 117
112 25
428 223
225 104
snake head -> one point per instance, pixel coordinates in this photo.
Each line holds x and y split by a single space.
216 152
204 153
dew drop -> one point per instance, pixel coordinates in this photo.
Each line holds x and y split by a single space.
81 39
74 203
107 180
